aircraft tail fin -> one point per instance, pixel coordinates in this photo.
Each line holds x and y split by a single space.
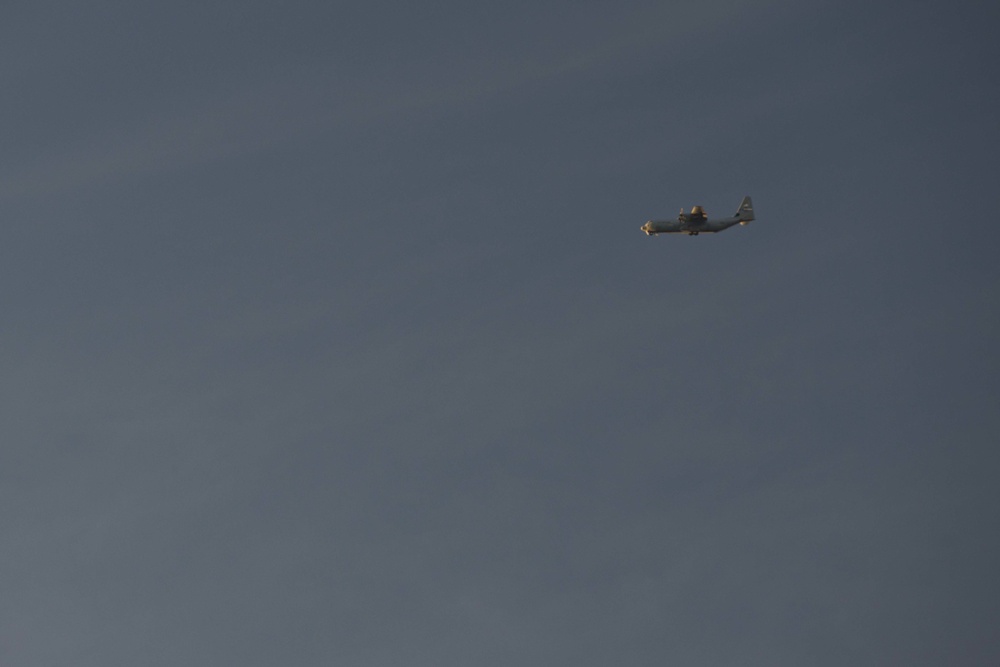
745 212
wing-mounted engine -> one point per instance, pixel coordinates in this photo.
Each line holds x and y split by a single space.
697 214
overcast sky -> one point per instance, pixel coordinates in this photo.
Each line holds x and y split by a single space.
330 336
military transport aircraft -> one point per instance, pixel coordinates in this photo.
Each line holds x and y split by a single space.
695 222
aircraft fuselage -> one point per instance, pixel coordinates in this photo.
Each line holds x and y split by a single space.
691 227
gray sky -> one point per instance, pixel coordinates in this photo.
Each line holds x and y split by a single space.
330 336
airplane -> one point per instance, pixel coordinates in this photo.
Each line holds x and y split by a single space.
696 221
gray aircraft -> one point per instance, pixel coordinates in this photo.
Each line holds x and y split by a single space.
696 221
